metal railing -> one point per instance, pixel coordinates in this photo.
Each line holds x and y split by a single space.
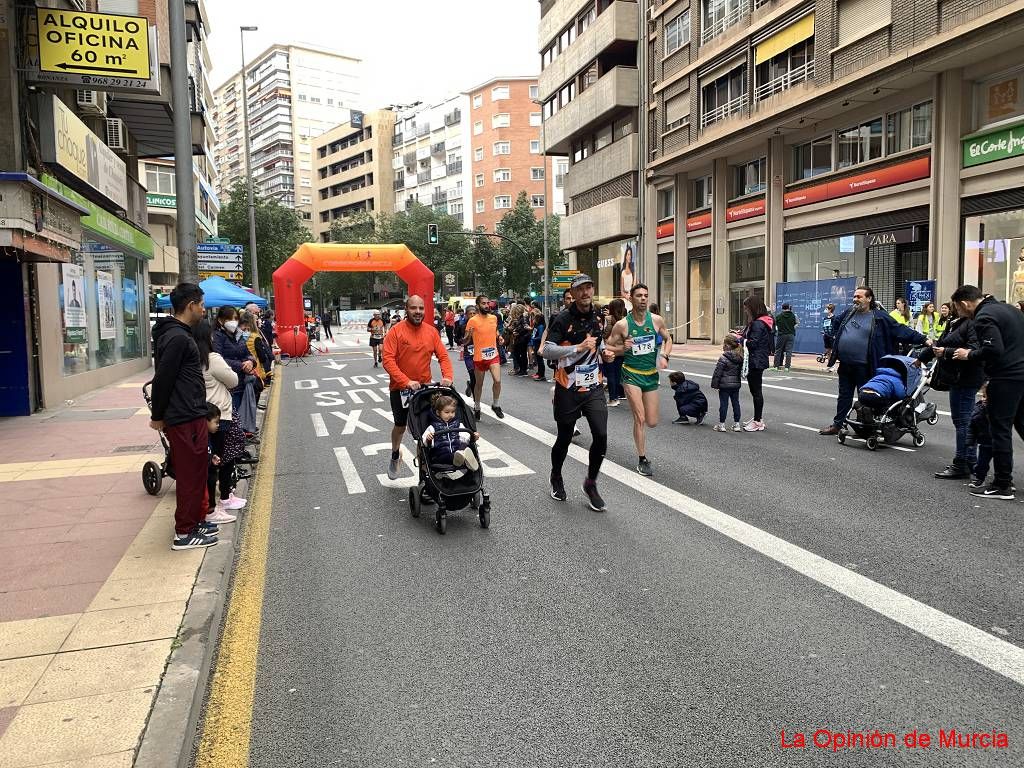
730 19
720 113
437 148
453 117
397 140
439 197
455 167
784 82
399 183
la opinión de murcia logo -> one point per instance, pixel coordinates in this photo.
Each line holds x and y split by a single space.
835 741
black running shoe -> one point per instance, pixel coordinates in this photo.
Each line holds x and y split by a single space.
476 414
596 502
469 391
643 466
994 492
497 411
976 483
557 488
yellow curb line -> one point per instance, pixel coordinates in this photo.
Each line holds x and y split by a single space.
227 727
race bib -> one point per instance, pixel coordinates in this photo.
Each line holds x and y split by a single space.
406 395
586 375
469 350
643 345
488 353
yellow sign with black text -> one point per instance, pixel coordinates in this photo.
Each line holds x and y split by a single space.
93 43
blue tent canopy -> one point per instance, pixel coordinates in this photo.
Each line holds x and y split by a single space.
220 293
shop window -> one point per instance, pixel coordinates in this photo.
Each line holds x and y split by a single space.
859 144
666 203
677 32
702 191
909 128
825 259
746 275
994 254
813 158
751 177
700 306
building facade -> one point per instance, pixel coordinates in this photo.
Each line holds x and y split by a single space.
506 155
793 142
296 93
352 170
75 256
590 89
428 157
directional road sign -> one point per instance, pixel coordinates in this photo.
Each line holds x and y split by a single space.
221 265
565 272
232 276
93 43
218 248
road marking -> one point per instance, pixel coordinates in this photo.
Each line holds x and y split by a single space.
987 650
349 473
227 727
851 437
319 425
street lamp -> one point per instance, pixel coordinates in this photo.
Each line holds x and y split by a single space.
544 153
248 164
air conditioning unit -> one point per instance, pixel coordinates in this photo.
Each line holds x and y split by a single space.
92 102
117 136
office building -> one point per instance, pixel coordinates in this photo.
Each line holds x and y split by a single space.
352 171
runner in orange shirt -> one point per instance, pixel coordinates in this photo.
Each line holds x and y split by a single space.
482 333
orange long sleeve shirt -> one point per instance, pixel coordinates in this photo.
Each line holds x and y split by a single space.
407 352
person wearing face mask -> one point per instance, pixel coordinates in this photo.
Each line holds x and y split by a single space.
249 332
229 344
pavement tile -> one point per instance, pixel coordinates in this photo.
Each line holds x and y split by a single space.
121 593
18 677
6 715
160 558
118 626
33 637
118 760
117 512
94 671
82 571
47 601
110 530
75 729
31 519
32 536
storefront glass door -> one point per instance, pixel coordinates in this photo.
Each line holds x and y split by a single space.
666 292
700 309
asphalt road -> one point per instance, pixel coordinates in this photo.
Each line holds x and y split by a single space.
760 583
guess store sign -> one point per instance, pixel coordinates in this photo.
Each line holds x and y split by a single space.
890 176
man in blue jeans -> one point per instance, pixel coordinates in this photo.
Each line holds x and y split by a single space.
865 334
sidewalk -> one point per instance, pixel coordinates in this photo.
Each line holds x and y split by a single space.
91 595
710 353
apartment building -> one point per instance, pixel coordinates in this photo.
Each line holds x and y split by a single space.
790 141
296 93
590 89
352 170
429 145
507 158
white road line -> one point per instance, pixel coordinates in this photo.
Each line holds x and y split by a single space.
349 473
998 655
851 437
319 426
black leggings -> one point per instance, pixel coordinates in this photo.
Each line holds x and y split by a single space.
221 473
754 376
595 411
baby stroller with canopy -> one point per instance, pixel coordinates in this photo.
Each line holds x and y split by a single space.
436 484
153 474
891 404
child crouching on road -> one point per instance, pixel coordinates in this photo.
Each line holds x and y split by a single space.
727 379
979 437
449 447
690 401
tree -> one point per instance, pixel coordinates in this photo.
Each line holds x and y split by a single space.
357 286
453 252
524 266
279 231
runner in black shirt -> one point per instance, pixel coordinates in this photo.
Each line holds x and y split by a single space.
573 340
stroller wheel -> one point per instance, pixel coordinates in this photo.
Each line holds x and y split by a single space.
152 477
441 520
841 437
933 420
414 501
918 439
485 515
872 443
477 500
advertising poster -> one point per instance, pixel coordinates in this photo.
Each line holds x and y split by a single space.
73 288
808 298
919 293
105 294
627 269
131 300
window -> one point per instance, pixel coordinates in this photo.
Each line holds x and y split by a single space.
719 15
478 127
302 97
856 16
455 207
479 179
859 144
305 183
534 91
585 19
666 203
751 177
478 101
535 147
535 119
160 179
478 154
589 77
702 189
580 150
499 92
623 127
306 200
536 201
813 158
791 67
314 99
549 55
479 206
724 96
502 201
566 94
501 120
909 128
502 174
537 174
603 137
677 32
677 111
502 148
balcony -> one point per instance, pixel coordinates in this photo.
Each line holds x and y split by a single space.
438 173
423 153
437 148
438 198
734 107
399 183
455 168
422 130
613 220
730 19
409 159
397 140
397 163
785 82
617 26
617 159
616 90
453 117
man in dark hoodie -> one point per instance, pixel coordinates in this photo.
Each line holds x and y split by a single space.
179 409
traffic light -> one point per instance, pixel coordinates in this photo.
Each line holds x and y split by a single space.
432 234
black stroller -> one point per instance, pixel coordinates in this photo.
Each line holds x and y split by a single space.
153 474
434 486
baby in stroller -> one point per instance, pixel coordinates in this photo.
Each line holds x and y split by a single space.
446 439
892 403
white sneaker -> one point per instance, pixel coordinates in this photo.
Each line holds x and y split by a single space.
220 517
233 502
737 427
753 426
720 428
467 458
394 466
613 403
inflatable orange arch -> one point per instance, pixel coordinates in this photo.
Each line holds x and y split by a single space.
311 258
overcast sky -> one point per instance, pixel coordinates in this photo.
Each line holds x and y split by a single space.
412 50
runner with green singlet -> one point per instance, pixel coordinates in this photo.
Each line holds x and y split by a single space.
645 341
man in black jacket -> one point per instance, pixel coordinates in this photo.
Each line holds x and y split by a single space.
1000 329
179 409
